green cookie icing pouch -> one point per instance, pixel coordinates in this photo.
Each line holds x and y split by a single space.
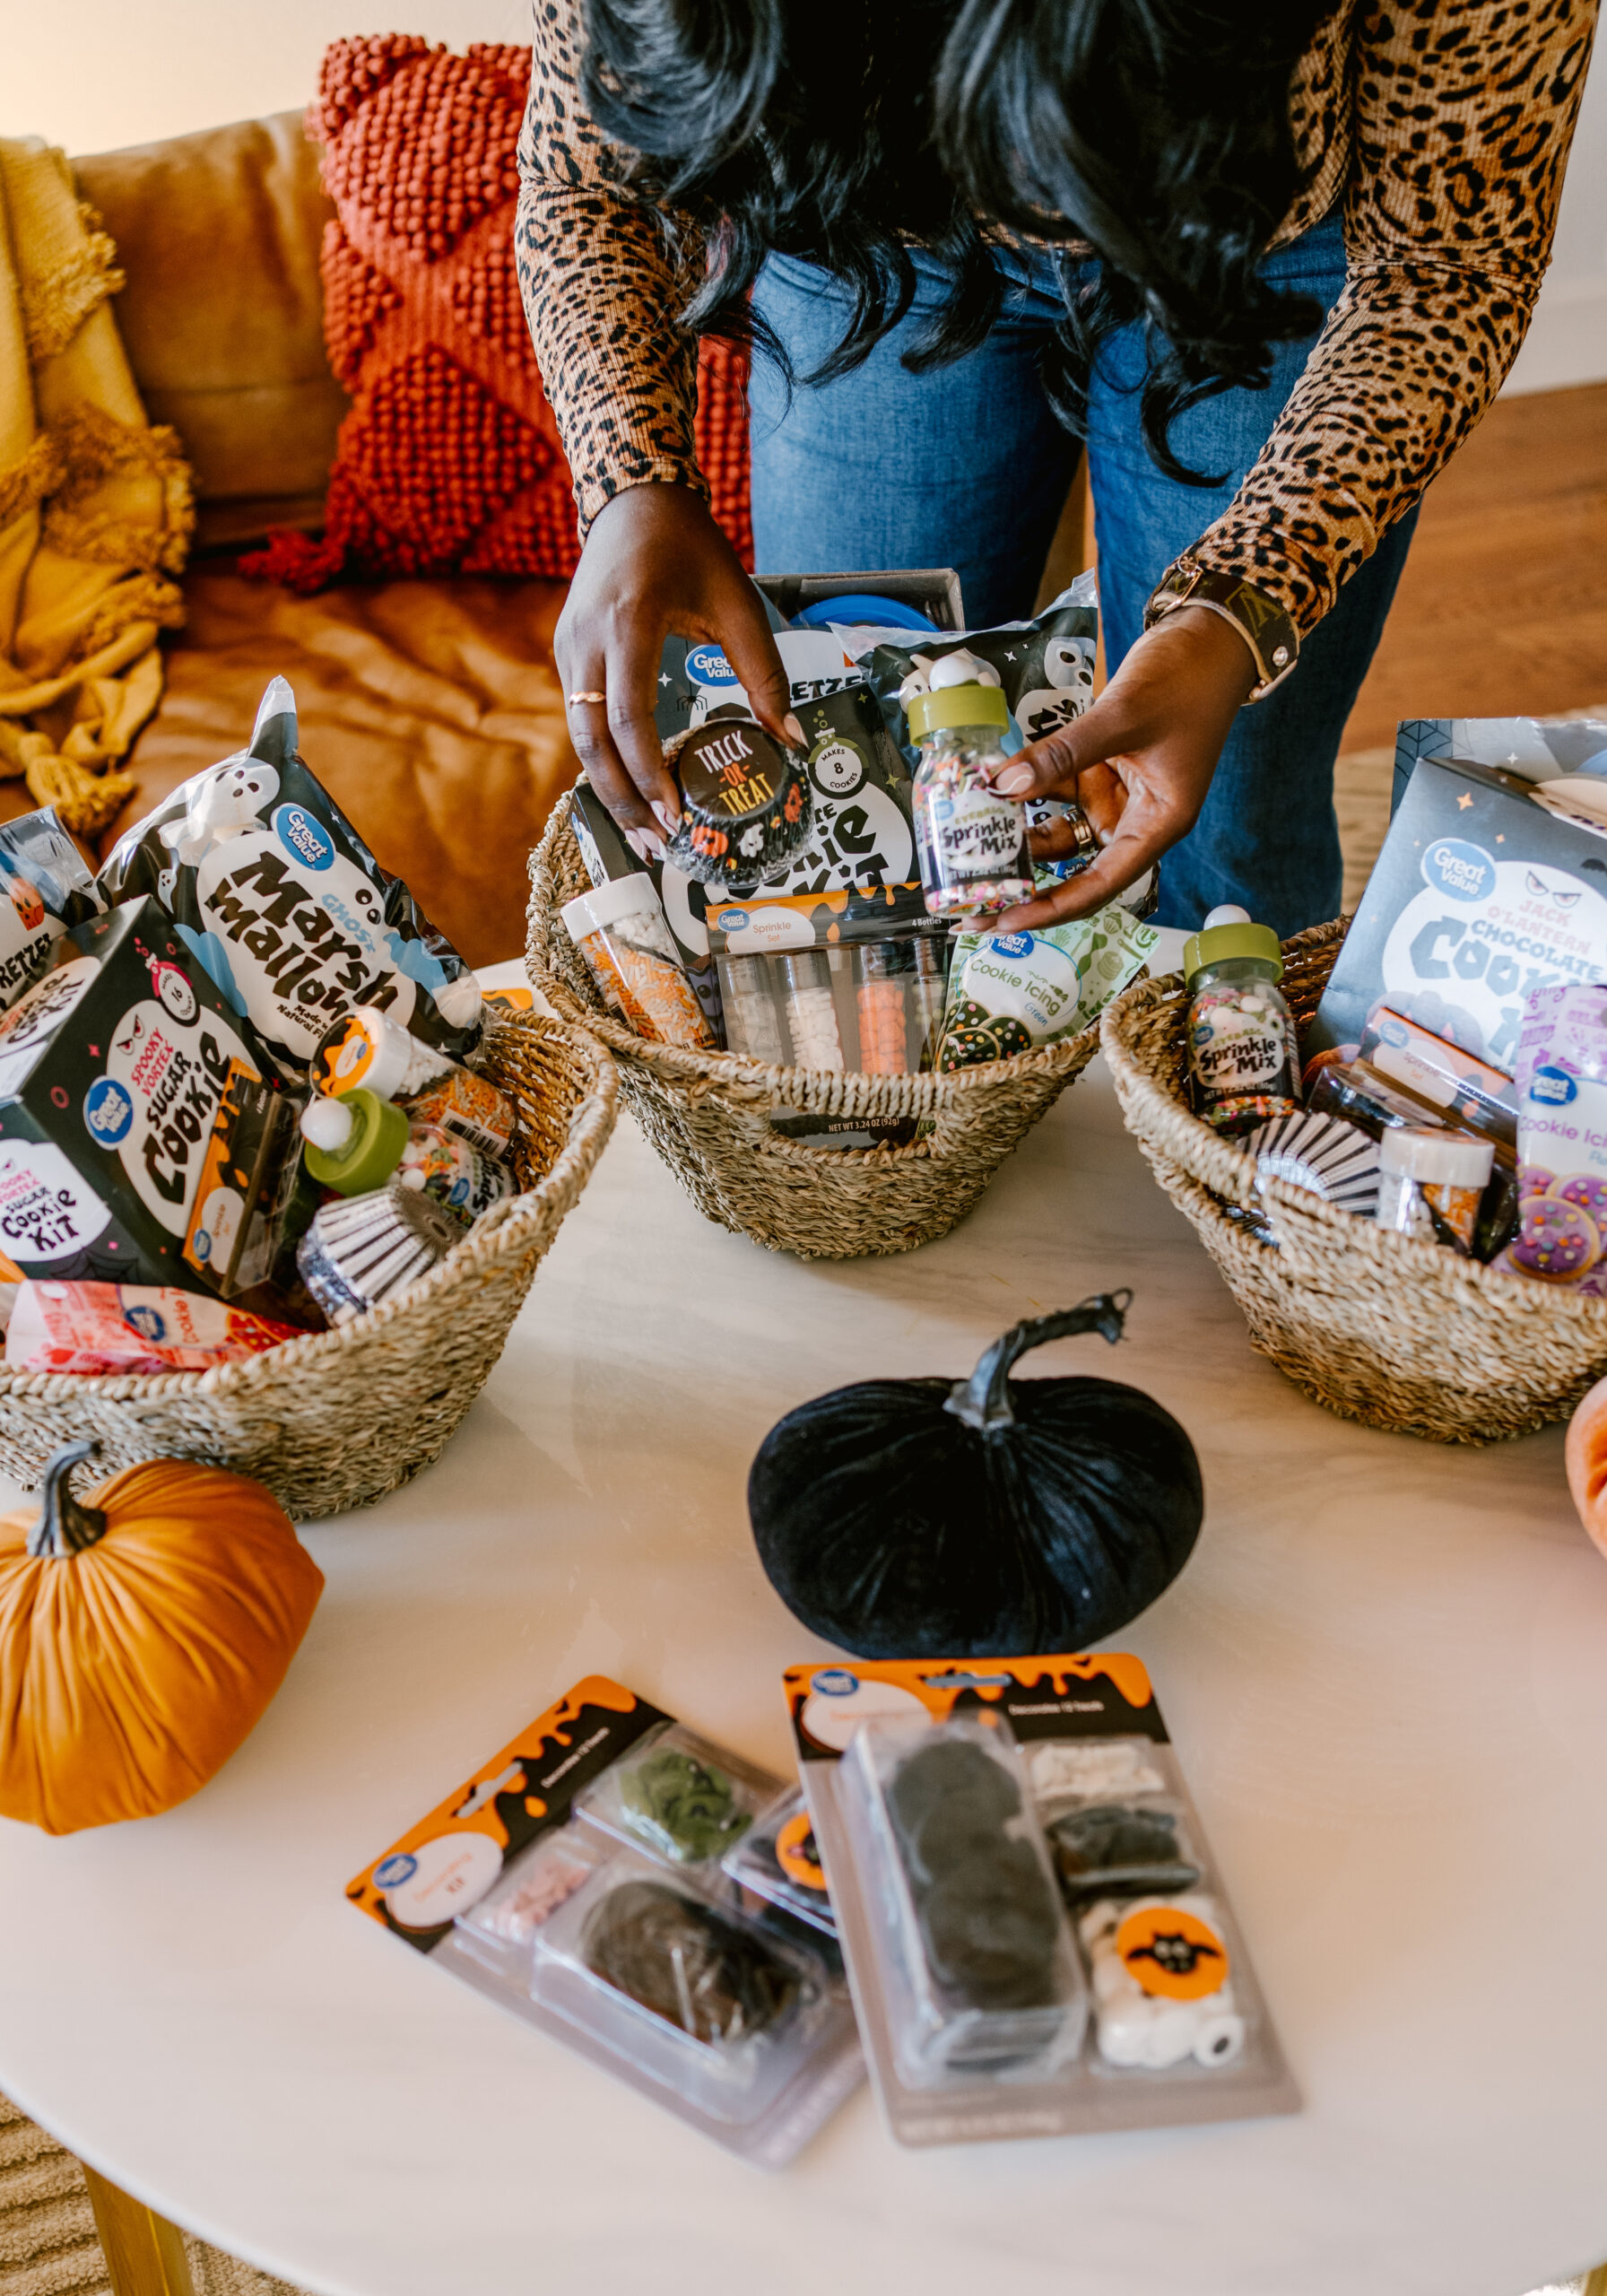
1012 992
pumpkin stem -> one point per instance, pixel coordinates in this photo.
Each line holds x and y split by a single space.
66 1527
983 1401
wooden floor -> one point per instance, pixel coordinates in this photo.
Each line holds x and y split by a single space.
1502 610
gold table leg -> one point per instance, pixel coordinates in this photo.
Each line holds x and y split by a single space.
144 2254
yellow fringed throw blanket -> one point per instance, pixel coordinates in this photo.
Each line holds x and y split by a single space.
95 504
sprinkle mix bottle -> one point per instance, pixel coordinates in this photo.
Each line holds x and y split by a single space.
1244 1063
973 843
356 1142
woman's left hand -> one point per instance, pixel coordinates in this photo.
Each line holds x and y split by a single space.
1138 760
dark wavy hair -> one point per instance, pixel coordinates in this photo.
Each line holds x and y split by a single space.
845 131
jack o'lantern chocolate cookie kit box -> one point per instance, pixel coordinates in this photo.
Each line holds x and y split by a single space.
1492 883
145 1133
1037 1937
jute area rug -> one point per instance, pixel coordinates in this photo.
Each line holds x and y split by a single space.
47 2242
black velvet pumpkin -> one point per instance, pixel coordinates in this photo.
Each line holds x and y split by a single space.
916 1518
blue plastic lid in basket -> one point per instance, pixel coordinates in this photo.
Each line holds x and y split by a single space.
855 606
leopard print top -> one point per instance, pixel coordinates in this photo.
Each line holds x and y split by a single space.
1443 125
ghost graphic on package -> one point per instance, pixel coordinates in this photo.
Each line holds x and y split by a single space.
1064 668
275 895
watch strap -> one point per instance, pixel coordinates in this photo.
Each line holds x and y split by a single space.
1266 629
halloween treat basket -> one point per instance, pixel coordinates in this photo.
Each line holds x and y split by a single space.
1379 1327
707 1114
339 1418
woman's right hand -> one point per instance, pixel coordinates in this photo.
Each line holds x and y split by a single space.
655 562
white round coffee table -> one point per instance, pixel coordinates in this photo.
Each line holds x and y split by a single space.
1385 1670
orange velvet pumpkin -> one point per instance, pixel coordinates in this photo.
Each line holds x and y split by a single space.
142 1635
1586 1456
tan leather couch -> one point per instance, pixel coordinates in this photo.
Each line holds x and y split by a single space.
429 709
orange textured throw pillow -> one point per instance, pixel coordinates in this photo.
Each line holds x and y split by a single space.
450 461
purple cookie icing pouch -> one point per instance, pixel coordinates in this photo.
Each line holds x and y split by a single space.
1561 1080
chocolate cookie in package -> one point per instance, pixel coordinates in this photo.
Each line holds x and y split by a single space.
272 890
47 890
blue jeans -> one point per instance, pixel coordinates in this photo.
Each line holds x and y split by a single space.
967 466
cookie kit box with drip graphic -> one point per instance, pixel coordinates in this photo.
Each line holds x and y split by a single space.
144 1131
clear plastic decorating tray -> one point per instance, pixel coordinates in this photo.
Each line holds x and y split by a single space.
576 1879
1036 1935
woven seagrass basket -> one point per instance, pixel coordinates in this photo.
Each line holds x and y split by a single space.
705 1113
340 1417
1403 1335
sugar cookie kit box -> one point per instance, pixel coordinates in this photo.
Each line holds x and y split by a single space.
1036 1935
582 1878
146 1135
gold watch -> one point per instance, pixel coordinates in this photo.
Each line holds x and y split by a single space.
1269 632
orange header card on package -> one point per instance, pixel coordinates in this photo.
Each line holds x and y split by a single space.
447 1863
1059 1696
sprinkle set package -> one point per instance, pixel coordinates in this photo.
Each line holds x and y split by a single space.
582 1879
1038 1940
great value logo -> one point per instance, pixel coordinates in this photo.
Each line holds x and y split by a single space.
710 667
107 1110
1466 872
1554 1087
304 836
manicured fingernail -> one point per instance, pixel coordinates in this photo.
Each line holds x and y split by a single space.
1014 781
666 816
645 843
793 730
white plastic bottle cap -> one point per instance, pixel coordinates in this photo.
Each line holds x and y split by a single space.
1230 913
327 1125
605 904
1439 1159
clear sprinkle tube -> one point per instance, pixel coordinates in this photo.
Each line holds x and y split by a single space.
812 1010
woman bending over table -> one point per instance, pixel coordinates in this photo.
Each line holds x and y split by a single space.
1267 262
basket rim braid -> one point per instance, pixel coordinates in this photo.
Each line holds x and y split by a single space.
706 1112
1375 1326
565 1088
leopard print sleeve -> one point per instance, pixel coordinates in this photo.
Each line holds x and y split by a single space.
600 289
1463 112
